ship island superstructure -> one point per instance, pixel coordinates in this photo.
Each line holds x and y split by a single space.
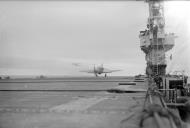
154 42
164 92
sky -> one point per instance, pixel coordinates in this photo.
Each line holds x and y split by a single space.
46 37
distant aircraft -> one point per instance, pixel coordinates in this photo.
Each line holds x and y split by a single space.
76 64
99 70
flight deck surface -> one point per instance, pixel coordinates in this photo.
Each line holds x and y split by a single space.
68 104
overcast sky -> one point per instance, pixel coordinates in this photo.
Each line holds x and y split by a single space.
46 37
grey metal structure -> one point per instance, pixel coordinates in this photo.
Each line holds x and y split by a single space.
154 42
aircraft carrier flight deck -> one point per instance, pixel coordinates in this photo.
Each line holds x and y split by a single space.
70 102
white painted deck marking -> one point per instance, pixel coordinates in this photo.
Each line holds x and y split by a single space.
78 105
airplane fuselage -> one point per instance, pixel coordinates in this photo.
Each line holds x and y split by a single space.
99 70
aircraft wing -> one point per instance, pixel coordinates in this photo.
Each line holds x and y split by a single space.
88 71
110 71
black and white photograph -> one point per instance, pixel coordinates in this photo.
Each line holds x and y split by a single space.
94 64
